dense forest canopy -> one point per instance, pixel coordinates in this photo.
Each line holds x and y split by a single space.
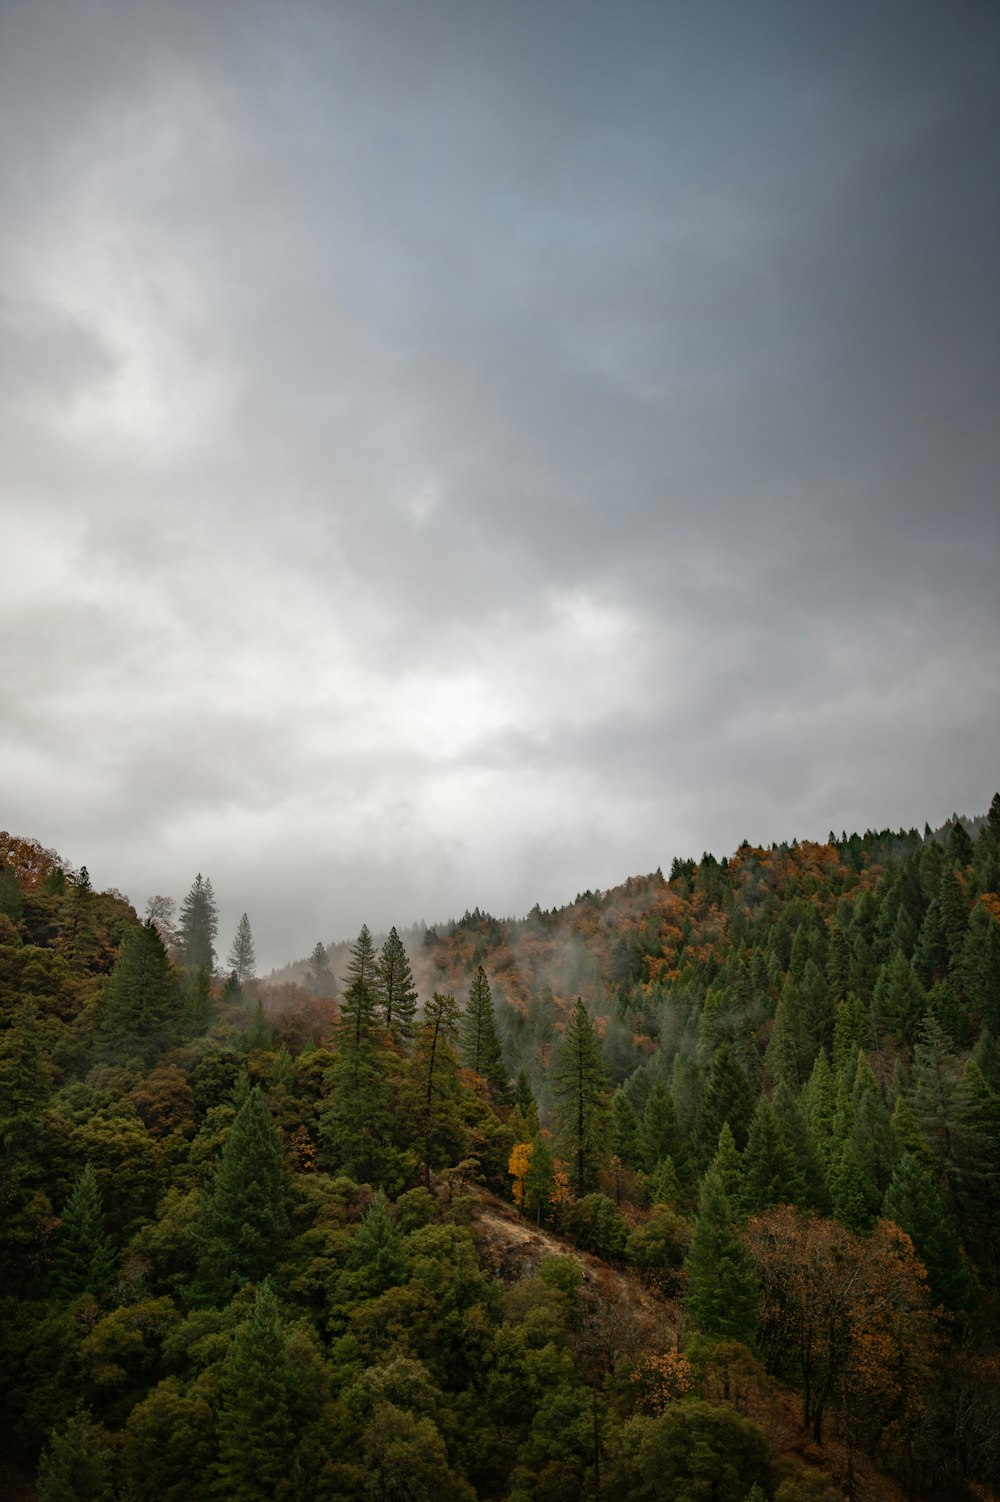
687 1190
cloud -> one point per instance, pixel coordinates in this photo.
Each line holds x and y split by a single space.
466 455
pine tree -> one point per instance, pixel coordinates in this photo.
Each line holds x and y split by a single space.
242 959
377 1249
727 1165
772 1174
914 1202
141 1006
479 1040
24 1086
659 1134
257 1408
199 925
76 1464
899 1000
727 1097
539 1179
435 1073
722 1290
244 1223
85 1257
320 979
397 994
355 1121
624 1137
581 1096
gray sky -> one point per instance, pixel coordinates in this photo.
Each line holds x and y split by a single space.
462 453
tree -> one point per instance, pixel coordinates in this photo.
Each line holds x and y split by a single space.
914 1202
355 1119
259 1407
242 959
436 1078
199 925
722 1292
377 1249
479 1041
581 1095
75 1466
162 913
397 994
244 1223
692 1452
772 1174
320 978
85 1258
141 1005
24 1086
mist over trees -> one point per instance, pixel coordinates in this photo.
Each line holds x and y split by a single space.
689 1186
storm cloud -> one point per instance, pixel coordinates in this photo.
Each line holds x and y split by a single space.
459 454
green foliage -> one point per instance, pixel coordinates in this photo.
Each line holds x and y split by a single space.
199 925
581 1094
76 1464
141 1006
85 1257
695 1451
397 994
480 1043
242 957
722 1289
914 1202
596 1225
244 1223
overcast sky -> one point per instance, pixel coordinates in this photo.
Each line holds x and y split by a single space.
456 452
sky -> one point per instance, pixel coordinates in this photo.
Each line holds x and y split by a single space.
457 453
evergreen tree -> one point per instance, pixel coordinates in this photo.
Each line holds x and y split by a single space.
871 1131
914 1202
141 1006
377 1249
624 1137
539 1179
854 1195
257 1409
76 1464
320 977
659 1135
979 965
435 1073
899 1000
772 1174
727 1097
479 1041
355 1122
397 993
580 1090
85 1257
24 1086
242 959
722 1290
244 1223
727 1165
199 925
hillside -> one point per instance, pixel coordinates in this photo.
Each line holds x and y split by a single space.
687 1188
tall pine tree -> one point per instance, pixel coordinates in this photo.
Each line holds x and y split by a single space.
244 1223
480 1043
580 1088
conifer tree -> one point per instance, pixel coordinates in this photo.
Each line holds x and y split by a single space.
854 1195
244 1223
727 1165
85 1257
377 1249
580 1089
24 1086
257 1408
242 958
141 1006
539 1179
355 1121
435 1073
899 1000
914 1202
624 1137
722 1290
772 1174
321 981
76 1464
659 1134
397 994
479 1040
727 1097
199 925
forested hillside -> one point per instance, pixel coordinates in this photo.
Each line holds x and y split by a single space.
686 1190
